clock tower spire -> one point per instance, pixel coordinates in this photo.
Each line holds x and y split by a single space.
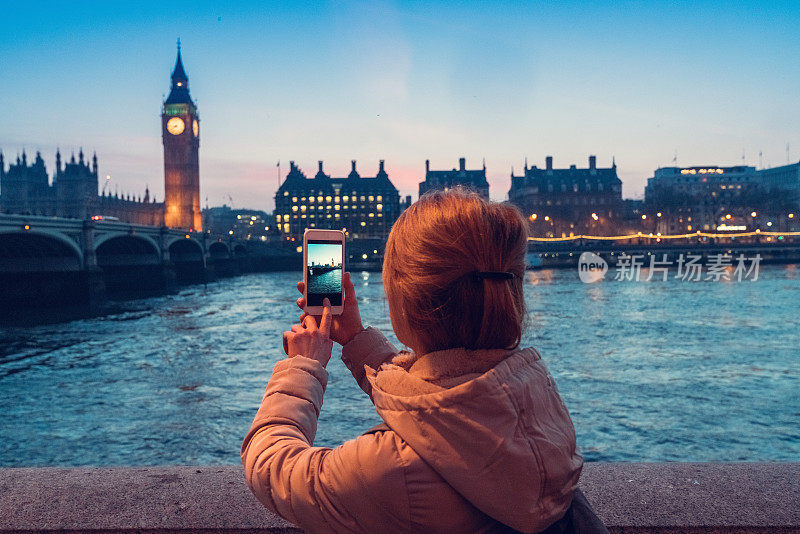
180 132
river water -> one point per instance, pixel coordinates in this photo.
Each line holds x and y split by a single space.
650 371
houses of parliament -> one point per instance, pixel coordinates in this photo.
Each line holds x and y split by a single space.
72 191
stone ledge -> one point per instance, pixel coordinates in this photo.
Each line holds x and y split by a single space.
629 497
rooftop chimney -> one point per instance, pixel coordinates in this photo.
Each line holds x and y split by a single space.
549 163
380 167
427 165
592 162
320 165
353 165
462 163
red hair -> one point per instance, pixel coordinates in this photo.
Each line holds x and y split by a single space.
432 254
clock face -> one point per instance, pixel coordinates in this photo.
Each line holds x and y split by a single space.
175 125
196 128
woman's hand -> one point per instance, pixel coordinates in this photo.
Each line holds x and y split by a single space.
306 339
343 327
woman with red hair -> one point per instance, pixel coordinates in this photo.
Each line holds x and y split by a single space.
475 436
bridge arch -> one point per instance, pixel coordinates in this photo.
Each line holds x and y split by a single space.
60 243
131 265
103 238
39 270
218 250
127 249
188 258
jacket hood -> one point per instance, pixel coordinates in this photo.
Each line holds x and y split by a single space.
491 424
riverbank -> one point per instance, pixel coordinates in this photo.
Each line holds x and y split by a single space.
629 498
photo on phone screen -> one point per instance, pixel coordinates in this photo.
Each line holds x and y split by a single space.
324 273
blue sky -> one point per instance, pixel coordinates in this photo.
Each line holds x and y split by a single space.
321 253
404 82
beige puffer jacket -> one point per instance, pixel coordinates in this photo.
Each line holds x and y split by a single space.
476 436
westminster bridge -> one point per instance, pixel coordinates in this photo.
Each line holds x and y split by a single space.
54 262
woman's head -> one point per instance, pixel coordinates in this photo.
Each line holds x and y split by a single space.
433 252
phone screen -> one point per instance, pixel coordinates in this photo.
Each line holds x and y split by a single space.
324 272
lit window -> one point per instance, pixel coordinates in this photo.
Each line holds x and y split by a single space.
303 207
345 198
278 218
286 217
380 215
362 198
239 217
336 198
303 216
372 215
329 216
363 223
379 207
345 206
286 193
294 199
327 207
294 208
380 198
303 199
311 199
336 207
286 228
319 199
328 198
337 215
371 198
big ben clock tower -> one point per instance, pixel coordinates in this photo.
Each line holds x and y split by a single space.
180 131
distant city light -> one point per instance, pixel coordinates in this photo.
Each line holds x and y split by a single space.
753 214
791 215
702 171
644 216
364 256
594 216
728 216
769 223
299 249
658 214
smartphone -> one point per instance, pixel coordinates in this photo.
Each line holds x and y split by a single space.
323 258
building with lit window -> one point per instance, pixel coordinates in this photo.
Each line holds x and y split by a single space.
564 202
713 198
364 207
474 179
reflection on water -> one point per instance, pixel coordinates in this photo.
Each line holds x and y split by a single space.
655 371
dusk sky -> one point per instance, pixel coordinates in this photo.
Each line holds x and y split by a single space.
403 82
